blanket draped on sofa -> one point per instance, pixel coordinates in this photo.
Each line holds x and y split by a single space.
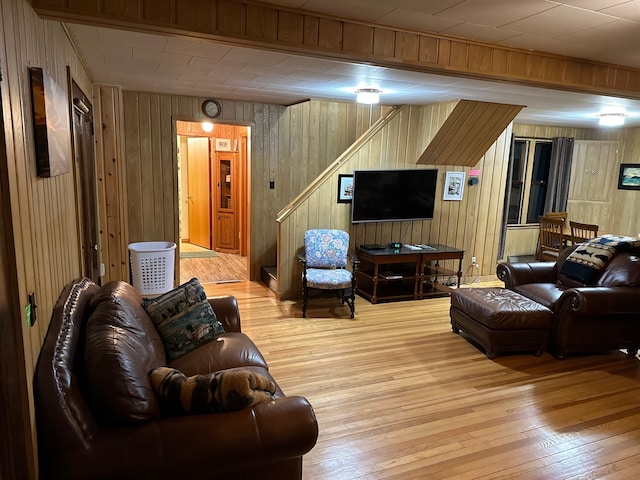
586 262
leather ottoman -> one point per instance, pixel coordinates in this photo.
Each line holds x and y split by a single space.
500 320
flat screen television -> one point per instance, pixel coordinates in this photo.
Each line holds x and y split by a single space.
393 195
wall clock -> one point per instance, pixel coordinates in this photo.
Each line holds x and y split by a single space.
211 108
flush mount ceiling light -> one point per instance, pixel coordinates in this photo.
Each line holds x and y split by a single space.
611 119
368 95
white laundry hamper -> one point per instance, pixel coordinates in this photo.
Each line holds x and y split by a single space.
152 266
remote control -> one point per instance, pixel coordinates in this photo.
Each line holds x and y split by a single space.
411 247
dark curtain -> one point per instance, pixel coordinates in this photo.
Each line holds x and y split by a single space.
505 207
559 175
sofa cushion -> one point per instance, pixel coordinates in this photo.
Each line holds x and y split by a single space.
231 389
119 289
546 294
184 318
568 282
228 350
622 271
122 346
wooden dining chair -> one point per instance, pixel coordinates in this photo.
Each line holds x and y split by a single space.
550 241
581 232
562 215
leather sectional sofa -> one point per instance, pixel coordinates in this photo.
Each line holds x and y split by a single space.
604 315
80 439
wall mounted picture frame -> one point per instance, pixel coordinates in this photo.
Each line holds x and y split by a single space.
223 144
345 188
629 178
51 124
454 186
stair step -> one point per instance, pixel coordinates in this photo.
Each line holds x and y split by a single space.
268 276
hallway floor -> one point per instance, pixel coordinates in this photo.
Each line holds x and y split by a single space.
223 268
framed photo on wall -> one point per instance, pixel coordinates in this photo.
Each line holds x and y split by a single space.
454 186
345 188
223 144
51 124
629 178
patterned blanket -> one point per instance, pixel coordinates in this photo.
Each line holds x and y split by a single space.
586 262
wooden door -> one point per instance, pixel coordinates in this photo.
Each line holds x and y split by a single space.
199 191
85 171
593 174
226 232
226 202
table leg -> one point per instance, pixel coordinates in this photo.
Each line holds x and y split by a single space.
374 291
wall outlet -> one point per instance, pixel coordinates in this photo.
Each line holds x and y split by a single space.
473 261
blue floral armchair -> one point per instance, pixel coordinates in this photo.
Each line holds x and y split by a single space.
325 266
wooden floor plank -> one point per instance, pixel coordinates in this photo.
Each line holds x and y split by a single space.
398 395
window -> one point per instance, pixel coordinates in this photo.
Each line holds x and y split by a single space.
527 180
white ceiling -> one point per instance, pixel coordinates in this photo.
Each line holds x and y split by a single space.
602 30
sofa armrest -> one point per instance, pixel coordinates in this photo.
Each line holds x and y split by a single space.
200 446
227 311
599 301
514 274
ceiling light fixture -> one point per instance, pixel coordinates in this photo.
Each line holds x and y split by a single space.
611 119
368 95
207 126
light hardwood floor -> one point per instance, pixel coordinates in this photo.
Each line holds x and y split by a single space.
223 268
398 395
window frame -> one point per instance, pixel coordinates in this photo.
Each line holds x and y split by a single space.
527 168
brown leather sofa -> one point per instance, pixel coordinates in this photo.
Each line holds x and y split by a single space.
586 319
78 440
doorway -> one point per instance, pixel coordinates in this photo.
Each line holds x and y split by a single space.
84 158
213 196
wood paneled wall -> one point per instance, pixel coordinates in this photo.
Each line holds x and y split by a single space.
398 142
111 190
289 145
625 211
41 247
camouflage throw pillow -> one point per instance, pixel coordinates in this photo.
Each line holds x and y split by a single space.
184 318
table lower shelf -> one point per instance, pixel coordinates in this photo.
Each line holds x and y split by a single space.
389 291
435 289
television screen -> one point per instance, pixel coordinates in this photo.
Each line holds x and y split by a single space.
393 195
